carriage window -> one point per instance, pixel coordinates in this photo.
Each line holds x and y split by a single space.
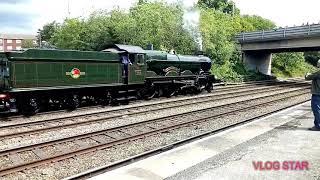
140 59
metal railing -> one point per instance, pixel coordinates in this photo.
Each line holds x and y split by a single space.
281 33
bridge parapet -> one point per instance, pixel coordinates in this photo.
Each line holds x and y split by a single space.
280 34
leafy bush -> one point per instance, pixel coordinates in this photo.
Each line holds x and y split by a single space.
290 65
312 57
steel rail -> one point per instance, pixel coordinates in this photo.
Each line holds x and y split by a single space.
14 118
85 135
153 103
66 155
227 87
106 168
99 119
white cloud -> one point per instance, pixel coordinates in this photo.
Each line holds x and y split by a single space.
282 12
58 9
44 11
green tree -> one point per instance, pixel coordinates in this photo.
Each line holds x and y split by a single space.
27 43
217 32
224 6
161 24
150 22
48 31
312 57
140 2
290 64
71 35
258 23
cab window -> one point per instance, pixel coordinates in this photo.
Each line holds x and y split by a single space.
132 58
140 58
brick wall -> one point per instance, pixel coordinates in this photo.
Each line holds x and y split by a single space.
12 42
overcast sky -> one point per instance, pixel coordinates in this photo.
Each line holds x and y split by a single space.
26 16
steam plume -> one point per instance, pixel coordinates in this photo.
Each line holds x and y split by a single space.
191 20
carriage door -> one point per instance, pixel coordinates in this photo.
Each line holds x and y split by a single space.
137 70
4 73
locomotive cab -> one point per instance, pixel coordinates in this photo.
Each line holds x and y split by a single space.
4 85
4 74
137 56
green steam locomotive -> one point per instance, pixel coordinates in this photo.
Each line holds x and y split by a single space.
36 79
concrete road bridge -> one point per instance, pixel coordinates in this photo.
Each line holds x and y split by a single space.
257 47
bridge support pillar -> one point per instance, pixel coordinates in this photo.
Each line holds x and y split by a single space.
258 61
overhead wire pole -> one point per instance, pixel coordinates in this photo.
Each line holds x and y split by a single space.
233 8
68 8
92 6
39 34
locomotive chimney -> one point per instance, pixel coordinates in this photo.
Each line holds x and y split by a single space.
150 46
199 53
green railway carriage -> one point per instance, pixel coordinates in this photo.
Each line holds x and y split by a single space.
55 68
34 77
38 78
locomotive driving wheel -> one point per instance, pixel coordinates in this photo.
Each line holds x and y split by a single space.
105 99
169 91
30 107
148 92
73 102
209 87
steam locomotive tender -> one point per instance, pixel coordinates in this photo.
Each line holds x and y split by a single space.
36 79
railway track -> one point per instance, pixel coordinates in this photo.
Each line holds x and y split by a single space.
52 151
222 89
36 127
44 116
123 162
217 90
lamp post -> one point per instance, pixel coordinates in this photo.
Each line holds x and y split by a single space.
233 8
39 35
2 43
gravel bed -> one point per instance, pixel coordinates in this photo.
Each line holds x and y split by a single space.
144 129
87 161
28 156
132 131
5 161
95 109
88 142
72 131
51 150
71 146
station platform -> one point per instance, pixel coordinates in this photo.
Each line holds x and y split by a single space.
279 146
